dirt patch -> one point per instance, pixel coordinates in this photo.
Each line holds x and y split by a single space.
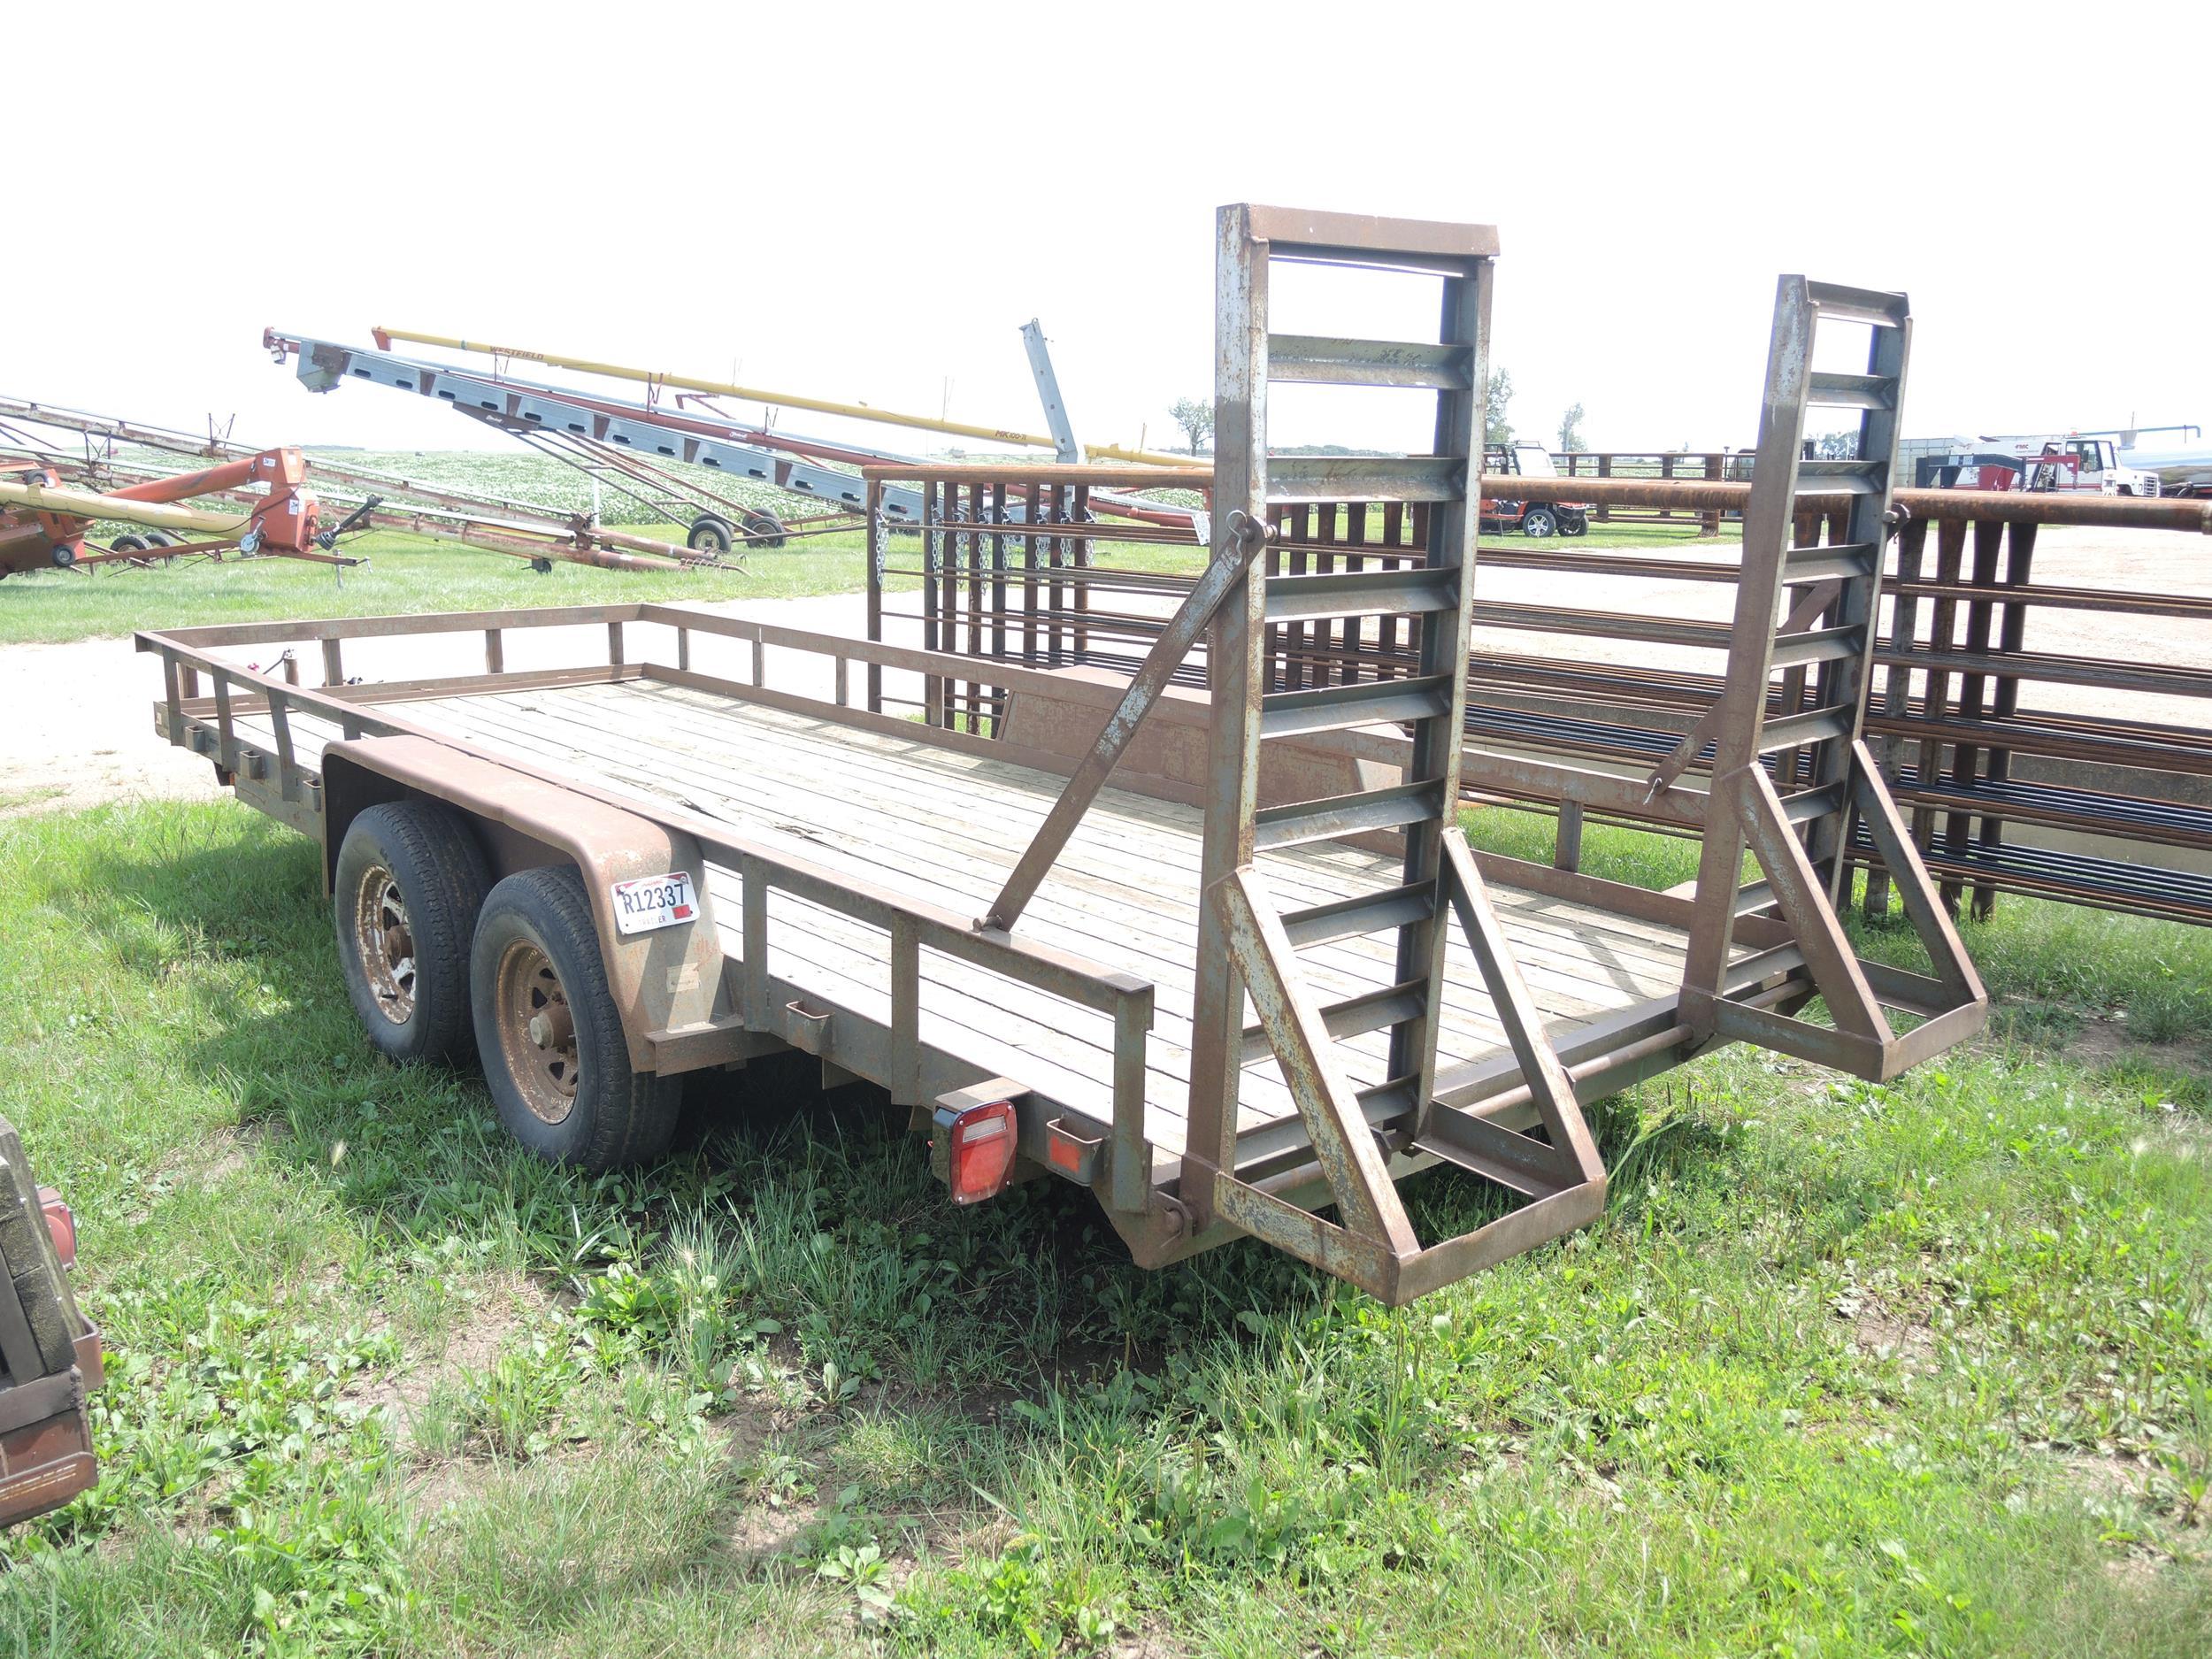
1881 1332
79 732
471 1346
2099 1044
2102 1476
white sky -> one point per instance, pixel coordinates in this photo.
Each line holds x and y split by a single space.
856 201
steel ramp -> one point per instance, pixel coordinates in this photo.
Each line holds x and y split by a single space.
1249 945
1792 786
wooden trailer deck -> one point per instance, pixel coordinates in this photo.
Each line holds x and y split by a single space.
943 827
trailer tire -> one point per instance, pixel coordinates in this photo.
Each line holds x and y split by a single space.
408 880
711 536
156 540
128 544
551 1035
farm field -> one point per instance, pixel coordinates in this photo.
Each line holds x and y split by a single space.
1844 1370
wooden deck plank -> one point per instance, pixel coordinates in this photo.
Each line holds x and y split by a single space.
1471 1029
1133 893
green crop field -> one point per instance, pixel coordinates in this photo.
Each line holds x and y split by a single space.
1921 1368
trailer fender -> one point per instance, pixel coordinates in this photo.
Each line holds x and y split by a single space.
667 982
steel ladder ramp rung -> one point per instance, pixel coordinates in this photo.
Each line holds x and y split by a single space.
1293 479
1412 591
1378 1010
1806 804
1747 971
1387 910
1755 898
1840 561
1519 1162
1841 477
1318 359
1852 391
1392 807
1817 645
1834 301
1339 708
1794 731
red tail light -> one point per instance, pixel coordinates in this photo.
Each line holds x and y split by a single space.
975 1149
59 1223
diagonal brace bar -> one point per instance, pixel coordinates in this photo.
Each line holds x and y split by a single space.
1805 904
1915 890
1550 1090
1192 617
1343 1144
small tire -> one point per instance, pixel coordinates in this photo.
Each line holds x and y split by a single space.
409 882
550 1036
1574 524
155 539
1538 522
711 536
763 529
128 544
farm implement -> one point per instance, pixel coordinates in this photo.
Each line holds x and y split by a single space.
1221 954
44 523
106 458
634 446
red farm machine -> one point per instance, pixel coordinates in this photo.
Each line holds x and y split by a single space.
44 524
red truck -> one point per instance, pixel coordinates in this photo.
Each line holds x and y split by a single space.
1533 517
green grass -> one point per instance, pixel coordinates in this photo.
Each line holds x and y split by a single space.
1845 1369
407 574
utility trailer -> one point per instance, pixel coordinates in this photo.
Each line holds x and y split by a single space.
1228 1007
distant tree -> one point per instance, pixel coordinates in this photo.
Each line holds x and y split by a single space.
1195 419
1570 431
1497 431
1836 446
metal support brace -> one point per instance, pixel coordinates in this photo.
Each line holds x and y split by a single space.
1192 617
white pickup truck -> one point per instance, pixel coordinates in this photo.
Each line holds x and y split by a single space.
2057 461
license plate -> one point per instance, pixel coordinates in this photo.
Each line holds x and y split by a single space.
653 901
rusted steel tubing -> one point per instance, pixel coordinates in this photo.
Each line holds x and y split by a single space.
526 547
2133 511
1688 495
1018 472
2138 512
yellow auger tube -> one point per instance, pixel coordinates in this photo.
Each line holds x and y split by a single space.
84 503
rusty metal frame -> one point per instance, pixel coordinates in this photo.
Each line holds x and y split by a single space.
2128 790
1245 947
1192 617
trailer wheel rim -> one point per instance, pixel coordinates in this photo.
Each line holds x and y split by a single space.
386 941
537 1032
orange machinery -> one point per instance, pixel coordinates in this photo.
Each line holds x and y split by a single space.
43 523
